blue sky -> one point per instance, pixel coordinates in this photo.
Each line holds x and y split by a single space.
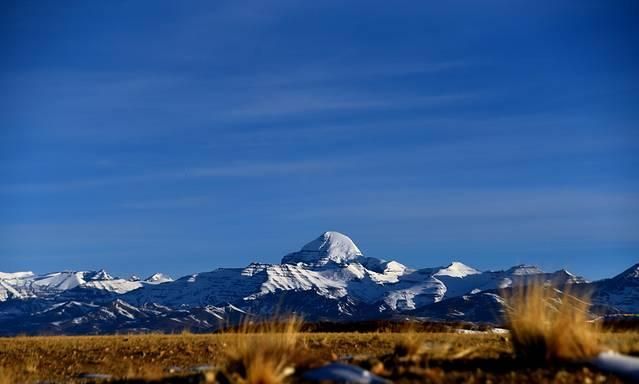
185 136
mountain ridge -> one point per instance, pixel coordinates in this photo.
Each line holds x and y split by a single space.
329 278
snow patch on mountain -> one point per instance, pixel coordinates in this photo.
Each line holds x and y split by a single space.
425 292
287 277
524 269
59 281
158 278
15 275
8 292
119 286
457 269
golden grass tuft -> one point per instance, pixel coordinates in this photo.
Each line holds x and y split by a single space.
548 324
7 376
264 353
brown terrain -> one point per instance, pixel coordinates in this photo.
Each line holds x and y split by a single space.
400 357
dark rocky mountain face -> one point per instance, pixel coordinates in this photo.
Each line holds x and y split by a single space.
329 279
620 293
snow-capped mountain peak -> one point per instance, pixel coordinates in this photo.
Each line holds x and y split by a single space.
524 269
329 247
395 268
99 275
457 269
158 278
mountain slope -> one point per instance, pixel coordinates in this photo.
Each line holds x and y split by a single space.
620 292
329 278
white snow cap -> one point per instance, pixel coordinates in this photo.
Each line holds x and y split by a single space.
330 246
16 275
99 275
457 269
158 278
524 269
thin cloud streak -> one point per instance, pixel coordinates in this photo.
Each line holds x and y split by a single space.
492 215
333 73
248 170
468 203
175 203
459 157
297 103
70 101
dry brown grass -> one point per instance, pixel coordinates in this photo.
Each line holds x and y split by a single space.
7 376
264 353
547 324
63 359
410 343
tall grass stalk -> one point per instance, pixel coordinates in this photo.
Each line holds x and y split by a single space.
548 324
264 353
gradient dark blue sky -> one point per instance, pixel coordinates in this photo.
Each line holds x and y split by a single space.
184 136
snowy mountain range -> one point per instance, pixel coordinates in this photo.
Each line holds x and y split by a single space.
328 279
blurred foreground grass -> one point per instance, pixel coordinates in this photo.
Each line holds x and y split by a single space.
438 357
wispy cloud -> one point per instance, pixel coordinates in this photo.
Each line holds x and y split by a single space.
437 203
453 137
240 170
284 103
101 105
492 215
331 72
458 158
173 203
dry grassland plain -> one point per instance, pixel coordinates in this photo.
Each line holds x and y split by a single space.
400 357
